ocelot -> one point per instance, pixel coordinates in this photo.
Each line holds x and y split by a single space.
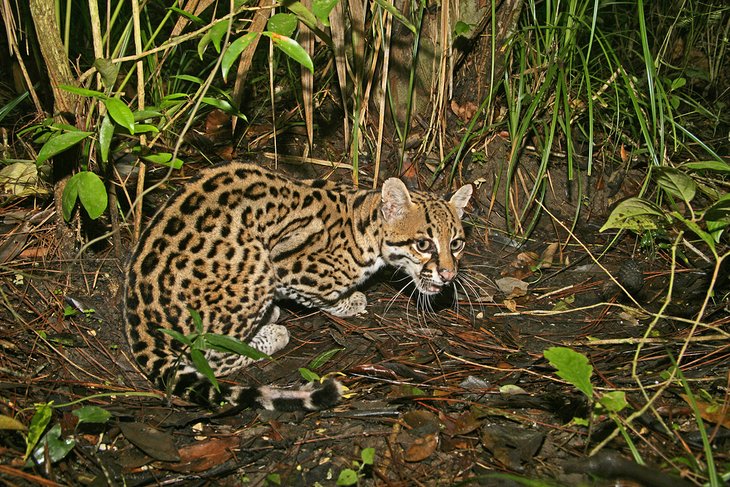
238 238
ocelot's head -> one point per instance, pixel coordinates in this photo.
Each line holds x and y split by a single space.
423 234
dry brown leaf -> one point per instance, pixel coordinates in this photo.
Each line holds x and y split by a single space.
217 124
422 448
624 154
461 424
548 255
512 287
714 413
510 304
523 265
422 421
204 455
155 443
34 253
465 111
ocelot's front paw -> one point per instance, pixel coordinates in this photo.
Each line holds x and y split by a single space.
270 339
352 305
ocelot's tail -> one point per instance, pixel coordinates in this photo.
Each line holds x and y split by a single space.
192 385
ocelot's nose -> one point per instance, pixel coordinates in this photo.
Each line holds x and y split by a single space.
447 275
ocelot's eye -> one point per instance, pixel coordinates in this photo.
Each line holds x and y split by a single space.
457 245
424 245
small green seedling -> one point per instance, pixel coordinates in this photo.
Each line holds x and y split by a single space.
199 341
351 476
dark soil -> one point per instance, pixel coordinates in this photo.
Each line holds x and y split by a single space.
453 395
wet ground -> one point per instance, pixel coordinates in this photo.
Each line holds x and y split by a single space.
454 393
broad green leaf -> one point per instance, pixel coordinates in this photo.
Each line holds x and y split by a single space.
38 424
108 71
60 143
676 183
58 447
304 14
188 15
217 32
120 113
674 101
678 83
347 477
573 367
461 29
717 166
229 344
368 456
186 77
234 50
145 128
614 401
322 8
21 179
87 187
92 193
581 421
197 319
291 48
141 115
201 363
8 423
392 10
694 227
106 134
224 105
635 214
323 357
177 336
716 230
92 414
164 159
203 44
308 375
82 91
283 24
173 100
719 211
410 390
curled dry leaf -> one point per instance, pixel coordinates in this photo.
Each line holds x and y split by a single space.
205 455
511 287
510 304
421 421
548 256
524 265
155 443
422 448
465 111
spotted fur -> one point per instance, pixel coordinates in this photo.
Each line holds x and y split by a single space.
238 238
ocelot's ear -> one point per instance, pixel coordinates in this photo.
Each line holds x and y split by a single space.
461 198
395 199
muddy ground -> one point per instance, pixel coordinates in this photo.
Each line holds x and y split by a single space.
459 394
